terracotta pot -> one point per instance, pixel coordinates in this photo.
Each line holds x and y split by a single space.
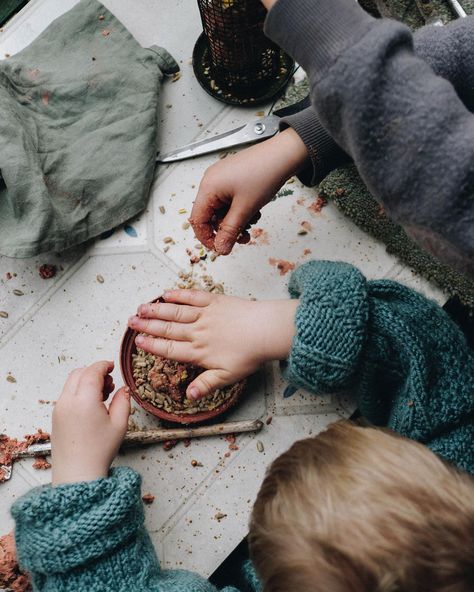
128 348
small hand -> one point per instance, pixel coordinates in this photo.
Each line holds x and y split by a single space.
228 336
233 190
86 434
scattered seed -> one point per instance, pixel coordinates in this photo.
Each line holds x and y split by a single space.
11 378
8 55
18 293
260 446
148 498
186 225
176 77
169 105
100 279
166 249
162 209
302 232
220 516
196 463
3 314
168 239
101 17
182 211
269 420
47 271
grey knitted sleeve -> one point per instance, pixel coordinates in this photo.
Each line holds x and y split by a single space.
449 52
408 132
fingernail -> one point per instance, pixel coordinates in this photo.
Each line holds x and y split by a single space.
127 392
166 294
139 340
142 310
193 393
132 320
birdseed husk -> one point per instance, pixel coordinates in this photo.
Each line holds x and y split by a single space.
174 378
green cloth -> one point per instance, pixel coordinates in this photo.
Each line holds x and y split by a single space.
89 537
78 130
399 353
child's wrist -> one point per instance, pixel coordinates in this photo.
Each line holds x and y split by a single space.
72 475
279 329
292 153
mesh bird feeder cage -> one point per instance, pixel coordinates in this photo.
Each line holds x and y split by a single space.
233 60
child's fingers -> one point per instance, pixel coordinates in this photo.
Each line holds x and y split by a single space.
204 209
166 329
109 387
229 231
93 378
169 312
119 409
191 297
205 383
70 386
181 351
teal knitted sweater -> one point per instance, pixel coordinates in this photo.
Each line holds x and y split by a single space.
406 361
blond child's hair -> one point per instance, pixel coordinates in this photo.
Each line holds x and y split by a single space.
363 510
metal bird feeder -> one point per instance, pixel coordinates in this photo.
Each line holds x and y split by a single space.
233 59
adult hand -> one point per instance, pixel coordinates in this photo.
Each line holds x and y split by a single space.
233 190
228 336
86 434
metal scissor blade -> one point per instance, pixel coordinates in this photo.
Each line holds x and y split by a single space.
263 128
458 9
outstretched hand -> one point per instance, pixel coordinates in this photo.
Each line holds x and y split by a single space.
228 336
86 433
234 190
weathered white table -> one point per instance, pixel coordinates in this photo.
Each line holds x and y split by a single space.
73 320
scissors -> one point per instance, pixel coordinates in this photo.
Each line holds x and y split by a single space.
255 131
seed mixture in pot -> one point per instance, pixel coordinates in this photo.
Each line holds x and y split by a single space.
163 383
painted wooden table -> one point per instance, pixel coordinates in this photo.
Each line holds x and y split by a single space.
73 320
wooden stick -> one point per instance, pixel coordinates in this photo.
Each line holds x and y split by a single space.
152 436
158 435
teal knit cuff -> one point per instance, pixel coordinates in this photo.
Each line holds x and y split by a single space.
60 528
331 325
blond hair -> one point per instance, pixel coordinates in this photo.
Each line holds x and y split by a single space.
363 510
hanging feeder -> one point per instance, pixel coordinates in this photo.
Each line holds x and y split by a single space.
233 60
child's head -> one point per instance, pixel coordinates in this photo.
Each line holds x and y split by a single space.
362 510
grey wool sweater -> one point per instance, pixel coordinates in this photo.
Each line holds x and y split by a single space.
399 105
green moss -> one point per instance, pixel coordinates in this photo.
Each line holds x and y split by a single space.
347 190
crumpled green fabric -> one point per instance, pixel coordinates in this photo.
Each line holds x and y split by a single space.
78 131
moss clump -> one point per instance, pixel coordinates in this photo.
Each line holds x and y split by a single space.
347 190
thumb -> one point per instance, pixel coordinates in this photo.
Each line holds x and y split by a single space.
229 230
205 383
119 409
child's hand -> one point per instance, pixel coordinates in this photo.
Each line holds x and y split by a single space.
231 337
86 435
233 190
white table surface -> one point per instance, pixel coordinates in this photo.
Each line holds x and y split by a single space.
73 320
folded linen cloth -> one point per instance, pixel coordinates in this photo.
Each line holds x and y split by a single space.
78 131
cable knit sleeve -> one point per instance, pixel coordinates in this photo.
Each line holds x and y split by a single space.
406 363
90 536
331 325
